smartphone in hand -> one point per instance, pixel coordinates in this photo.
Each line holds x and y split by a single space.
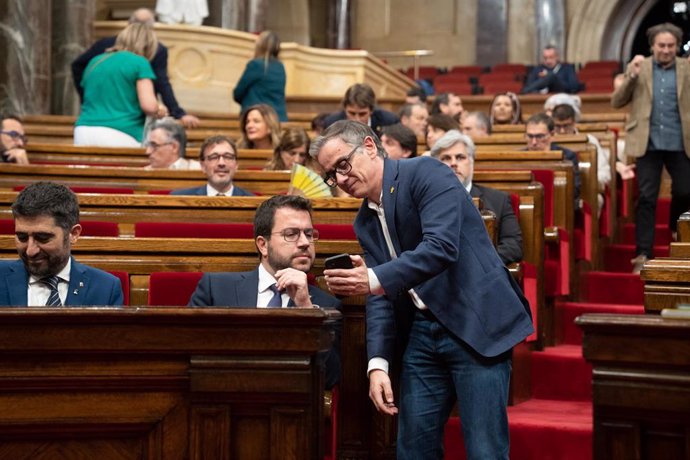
339 261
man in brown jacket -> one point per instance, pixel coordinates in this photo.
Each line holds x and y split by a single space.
658 130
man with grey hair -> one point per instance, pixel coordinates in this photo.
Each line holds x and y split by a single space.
165 145
159 63
658 131
458 152
437 293
476 125
552 75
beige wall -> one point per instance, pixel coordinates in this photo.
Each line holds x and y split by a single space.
290 20
445 26
521 33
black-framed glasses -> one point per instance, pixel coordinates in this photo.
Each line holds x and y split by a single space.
292 234
343 166
216 156
16 135
155 146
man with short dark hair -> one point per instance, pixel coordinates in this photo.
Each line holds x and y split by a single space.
159 63
284 237
437 293
46 223
399 142
552 75
657 131
218 158
539 132
12 141
415 95
166 144
359 104
448 104
414 116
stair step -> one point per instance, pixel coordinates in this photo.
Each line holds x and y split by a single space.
539 430
566 312
609 287
562 373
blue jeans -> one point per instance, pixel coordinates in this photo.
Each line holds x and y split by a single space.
437 368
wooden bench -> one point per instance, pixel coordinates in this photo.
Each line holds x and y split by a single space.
123 156
138 179
162 383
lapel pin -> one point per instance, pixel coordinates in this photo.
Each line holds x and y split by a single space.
81 284
76 291
392 189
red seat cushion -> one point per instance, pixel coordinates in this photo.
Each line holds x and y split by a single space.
172 288
336 231
89 228
124 281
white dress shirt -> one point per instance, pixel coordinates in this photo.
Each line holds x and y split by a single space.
38 292
265 294
210 191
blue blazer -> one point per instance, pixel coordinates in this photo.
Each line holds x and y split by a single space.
201 191
240 289
563 81
159 63
87 285
445 254
262 85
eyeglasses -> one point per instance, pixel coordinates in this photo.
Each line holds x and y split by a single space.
292 234
155 146
342 167
216 156
536 137
16 135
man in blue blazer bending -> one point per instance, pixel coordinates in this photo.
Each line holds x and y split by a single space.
284 237
46 222
218 158
436 289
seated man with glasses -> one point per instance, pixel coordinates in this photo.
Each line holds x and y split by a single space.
12 141
218 157
284 237
538 131
165 145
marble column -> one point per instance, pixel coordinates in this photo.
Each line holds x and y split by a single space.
72 35
550 28
339 22
25 35
256 15
228 14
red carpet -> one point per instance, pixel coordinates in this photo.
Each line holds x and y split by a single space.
556 424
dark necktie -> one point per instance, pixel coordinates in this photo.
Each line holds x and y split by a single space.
220 194
54 297
277 300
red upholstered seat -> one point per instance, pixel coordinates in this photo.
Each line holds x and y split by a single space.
336 231
115 190
89 228
193 230
124 281
159 192
172 288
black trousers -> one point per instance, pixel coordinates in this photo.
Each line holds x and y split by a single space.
649 169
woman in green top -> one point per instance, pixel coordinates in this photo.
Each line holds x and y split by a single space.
263 80
118 91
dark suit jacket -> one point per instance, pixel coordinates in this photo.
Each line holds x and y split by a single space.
509 234
87 285
201 191
379 119
639 91
241 290
445 254
563 81
159 63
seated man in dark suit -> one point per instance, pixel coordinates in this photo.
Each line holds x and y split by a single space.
159 63
46 222
284 237
218 158
457 151
539 131
552 75
359 104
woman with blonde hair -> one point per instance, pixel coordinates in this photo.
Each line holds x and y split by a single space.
118 91
505 109
263 80
260 128
292 149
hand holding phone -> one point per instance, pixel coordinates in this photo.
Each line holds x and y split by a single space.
339 261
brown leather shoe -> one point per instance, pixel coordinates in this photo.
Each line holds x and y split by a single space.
638 263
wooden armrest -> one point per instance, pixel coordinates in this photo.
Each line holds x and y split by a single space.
516 271
327 403
551 235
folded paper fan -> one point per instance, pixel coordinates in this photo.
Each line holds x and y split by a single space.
307 183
